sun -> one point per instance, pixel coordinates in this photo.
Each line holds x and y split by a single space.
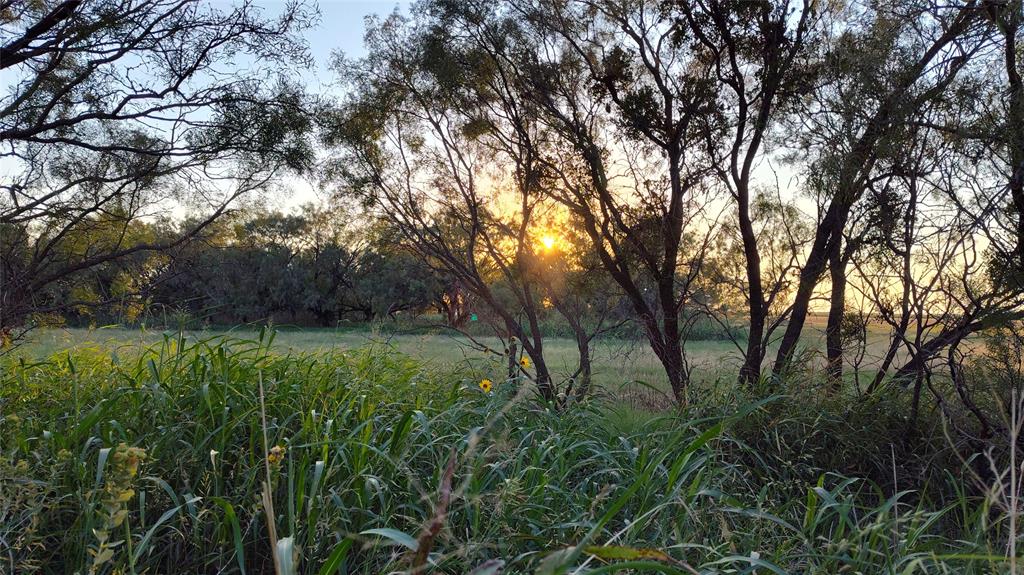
548 241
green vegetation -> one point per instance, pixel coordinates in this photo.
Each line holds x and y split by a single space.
624 366
154 461
570 286
616 362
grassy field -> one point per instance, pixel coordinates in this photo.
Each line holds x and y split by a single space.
219 456
616 362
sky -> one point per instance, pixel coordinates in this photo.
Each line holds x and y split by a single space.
341 27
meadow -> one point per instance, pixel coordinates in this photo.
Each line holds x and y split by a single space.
618 362
161 453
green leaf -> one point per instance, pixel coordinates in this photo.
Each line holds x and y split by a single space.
144 543
396 536
336 558
236 530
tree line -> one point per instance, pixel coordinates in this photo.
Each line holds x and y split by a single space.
660 129
313 267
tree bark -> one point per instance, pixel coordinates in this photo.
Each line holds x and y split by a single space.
809 275
750 371
833 331
513 365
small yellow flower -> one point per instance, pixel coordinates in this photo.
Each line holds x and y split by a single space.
524 362
486 385
276 455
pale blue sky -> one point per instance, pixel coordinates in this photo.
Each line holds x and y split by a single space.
341 27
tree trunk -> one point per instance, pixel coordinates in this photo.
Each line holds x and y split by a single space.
833 331
584 377
513 364
829 231
673 362
1010 21
937 344
543 378
750 372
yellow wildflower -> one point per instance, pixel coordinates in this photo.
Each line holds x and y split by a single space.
486 385
276 455
524 362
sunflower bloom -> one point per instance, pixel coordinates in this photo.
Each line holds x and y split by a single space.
524 362
486 385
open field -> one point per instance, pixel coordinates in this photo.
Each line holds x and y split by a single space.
616 362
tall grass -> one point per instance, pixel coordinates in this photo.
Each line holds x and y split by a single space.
378 464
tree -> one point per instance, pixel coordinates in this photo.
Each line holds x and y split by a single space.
388 278
629 105
763 61
923 50
432 140
119 110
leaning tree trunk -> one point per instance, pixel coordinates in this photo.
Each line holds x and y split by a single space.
750 372
829 232
833 331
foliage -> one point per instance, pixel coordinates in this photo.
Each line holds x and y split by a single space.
116 113
365 440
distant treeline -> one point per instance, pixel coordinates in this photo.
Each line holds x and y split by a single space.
310 268
314 267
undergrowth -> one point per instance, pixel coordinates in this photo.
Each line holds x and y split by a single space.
155 463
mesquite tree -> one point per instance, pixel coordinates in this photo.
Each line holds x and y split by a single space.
428 139
116 111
